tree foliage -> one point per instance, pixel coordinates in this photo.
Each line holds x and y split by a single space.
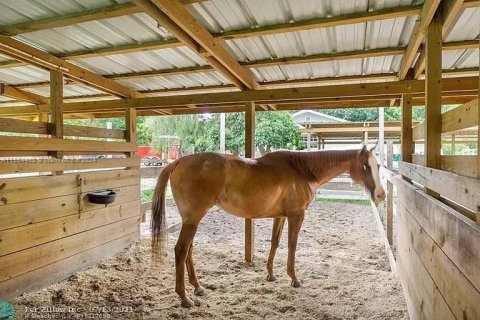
144 134
274 130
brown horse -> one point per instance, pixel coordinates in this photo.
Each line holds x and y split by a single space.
278 185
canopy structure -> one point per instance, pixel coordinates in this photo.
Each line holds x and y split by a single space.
196 56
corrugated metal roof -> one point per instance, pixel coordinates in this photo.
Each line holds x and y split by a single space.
197 79
21 11
388 64
181 57
466 26
24 74
71 90
136 28
226 15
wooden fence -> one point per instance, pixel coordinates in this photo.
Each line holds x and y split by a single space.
48 228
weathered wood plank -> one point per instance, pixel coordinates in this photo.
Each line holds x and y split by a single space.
462 165
14 190
37 127
55 272
462 117
31 212
424 301
13 240
459 294
461 189
456 235
47 144
15 264
89 164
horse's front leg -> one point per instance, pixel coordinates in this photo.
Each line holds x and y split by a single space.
294 224
278 224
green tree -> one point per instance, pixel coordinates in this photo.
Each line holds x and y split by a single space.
202 133
144 135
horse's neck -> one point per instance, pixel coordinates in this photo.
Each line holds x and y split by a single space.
325 165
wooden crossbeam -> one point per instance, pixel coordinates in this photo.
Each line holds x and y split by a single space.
69 19
337 92
175 17
428 10
450 11
21 95
24 52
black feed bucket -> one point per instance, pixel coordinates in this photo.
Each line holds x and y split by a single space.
102 196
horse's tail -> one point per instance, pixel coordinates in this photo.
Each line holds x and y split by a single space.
159 232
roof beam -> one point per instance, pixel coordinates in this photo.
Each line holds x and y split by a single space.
336 92
21 95
245 33
426 16
450 11
174 17
24 52
69 19
266 85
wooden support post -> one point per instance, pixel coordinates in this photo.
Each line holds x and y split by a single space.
249 153
131 127
453 144
433 94
478 134
309 138
407 140
56 104
381 135
390 194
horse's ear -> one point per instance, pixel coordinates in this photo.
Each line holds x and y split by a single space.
364 149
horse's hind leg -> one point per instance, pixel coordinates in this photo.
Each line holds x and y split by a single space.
278 224
192 277
294 224
181 251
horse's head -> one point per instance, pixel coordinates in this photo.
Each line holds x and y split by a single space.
365 170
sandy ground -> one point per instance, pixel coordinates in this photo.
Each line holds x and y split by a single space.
340 260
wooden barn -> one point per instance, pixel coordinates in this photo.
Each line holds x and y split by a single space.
82 59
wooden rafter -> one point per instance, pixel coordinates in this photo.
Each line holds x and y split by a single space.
335 92
450 11
176 18
24 52
426 16
21 95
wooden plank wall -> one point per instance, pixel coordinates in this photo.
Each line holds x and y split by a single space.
458 122
48 229
438 254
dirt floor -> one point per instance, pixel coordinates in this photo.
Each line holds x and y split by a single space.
340 260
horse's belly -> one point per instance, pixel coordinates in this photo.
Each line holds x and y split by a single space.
250 208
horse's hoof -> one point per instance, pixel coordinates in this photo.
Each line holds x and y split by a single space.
187 303
296 284
199 291
271 278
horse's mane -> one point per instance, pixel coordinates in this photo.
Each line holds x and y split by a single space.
309 164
